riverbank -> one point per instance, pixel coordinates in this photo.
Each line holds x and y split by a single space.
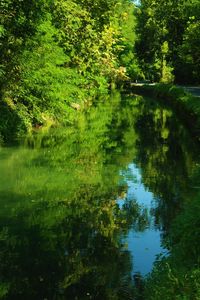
186 105
194 90
107 190
177 275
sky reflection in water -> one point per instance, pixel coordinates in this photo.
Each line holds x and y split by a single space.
146 245
61 230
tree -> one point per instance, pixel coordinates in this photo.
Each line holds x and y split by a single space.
161 22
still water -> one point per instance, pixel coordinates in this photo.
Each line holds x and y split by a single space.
86 207
144 245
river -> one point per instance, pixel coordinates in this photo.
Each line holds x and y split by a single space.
86 207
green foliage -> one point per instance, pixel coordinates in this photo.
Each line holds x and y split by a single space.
63 222
174 22
125 20
169 282
185 105
44 76
4 288
167 76
58 54
189 63
178 276
14 121
60 222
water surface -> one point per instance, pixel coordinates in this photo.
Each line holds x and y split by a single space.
84 208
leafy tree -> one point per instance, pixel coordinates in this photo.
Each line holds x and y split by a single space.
161 22
189 62
57 54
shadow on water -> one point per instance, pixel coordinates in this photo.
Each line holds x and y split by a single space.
64 249
71 200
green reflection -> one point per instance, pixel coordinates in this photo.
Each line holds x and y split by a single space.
61 249
60 219
167 156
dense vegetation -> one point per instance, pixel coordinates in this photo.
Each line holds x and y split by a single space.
183 103
178 276
58 54
60 222
169 39
59 58
169 159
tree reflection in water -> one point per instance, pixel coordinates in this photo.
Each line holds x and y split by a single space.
60 220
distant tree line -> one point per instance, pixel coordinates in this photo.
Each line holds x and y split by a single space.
168 46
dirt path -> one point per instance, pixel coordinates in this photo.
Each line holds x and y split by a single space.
194 90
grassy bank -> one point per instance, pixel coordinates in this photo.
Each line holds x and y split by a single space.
17 120
177 276
184 104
